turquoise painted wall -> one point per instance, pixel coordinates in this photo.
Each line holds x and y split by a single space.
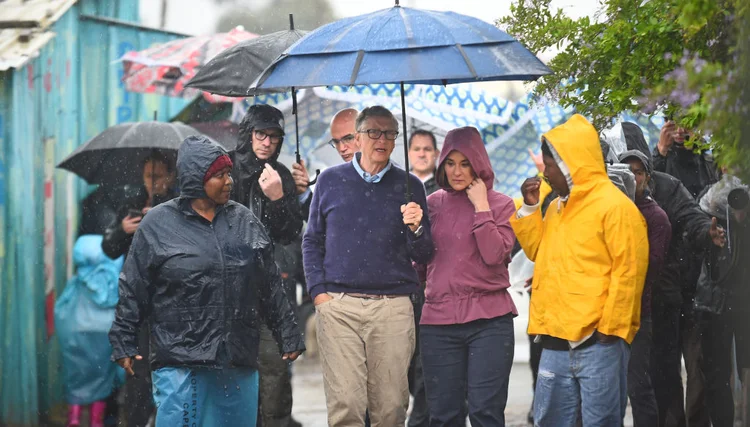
68 94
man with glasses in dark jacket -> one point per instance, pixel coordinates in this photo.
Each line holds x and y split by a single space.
267 187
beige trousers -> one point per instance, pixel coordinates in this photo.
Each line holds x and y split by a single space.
365 347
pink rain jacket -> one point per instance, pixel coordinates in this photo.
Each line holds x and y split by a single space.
467 278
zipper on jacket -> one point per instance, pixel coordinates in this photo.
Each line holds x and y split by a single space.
223 287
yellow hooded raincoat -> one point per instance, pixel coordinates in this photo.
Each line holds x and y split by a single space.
591 252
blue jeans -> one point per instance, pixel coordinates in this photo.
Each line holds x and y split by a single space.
205 397
593 378
472 359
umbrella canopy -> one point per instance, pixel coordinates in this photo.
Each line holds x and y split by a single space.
233 71
402 45
116 155
166 68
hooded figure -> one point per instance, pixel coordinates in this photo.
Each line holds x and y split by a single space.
282 218
200 285
591 255
468 312
674 289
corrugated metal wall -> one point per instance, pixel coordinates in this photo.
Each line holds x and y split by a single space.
65 96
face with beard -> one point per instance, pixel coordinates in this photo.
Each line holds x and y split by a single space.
641 176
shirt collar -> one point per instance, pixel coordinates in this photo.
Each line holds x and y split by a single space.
373 179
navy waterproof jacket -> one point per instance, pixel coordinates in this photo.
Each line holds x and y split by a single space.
201 286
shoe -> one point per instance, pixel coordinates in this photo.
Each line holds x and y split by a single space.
74 416
96 413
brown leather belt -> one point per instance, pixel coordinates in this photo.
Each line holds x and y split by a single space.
373 296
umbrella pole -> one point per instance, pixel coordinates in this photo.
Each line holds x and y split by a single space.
406 145
296 123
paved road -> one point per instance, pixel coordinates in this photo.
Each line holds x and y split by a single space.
309 400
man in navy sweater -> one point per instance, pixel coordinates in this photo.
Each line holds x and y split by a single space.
358 250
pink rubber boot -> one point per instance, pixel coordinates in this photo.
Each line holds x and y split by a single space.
74 416
96 413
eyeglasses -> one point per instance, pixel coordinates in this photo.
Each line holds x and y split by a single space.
346 139
275 139
377 133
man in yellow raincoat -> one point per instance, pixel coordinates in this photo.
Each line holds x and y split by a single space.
591 255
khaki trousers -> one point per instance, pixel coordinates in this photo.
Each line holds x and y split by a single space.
365 349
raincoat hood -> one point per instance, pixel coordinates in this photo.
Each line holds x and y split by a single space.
637 146
195 156
577 143
468 141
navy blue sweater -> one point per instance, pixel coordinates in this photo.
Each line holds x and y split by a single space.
356 240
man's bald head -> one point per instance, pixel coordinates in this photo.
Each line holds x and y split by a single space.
343 131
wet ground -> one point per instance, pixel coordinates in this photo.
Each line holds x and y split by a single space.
309 399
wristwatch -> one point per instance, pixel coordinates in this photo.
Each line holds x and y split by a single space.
418 232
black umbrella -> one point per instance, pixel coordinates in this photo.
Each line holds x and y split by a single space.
116 155
233 71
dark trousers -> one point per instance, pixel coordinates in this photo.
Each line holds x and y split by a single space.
696 409
472 359
419 416
718 332
275 385
675 336
139 401
640 388
535 355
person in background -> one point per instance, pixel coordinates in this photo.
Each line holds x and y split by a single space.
591 255
640 387
674 155
343 139
423 154
159 185
199 272
693 232
360 276
467 323
723 297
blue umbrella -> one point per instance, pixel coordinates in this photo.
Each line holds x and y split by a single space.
402 45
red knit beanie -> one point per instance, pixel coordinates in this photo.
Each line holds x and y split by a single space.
220 163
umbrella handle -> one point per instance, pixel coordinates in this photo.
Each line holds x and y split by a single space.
313 181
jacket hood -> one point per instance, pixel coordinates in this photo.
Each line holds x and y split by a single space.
468 141
195 156
635 140
577 143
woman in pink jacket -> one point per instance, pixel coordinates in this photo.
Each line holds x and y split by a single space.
466 330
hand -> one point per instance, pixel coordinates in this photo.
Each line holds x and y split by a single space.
530 190
270 183
301 177
130 224
606 339
666 137
718 236
412 215
145 210
291 356
321 298
127 364
538 160
477 193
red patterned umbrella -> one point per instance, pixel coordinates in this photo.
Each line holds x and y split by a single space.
166 68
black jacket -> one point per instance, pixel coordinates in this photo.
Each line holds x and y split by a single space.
690 226
116 241
282 218
201 285
431 186
695 171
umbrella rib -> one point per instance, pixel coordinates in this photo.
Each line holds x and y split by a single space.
357 64
467 60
